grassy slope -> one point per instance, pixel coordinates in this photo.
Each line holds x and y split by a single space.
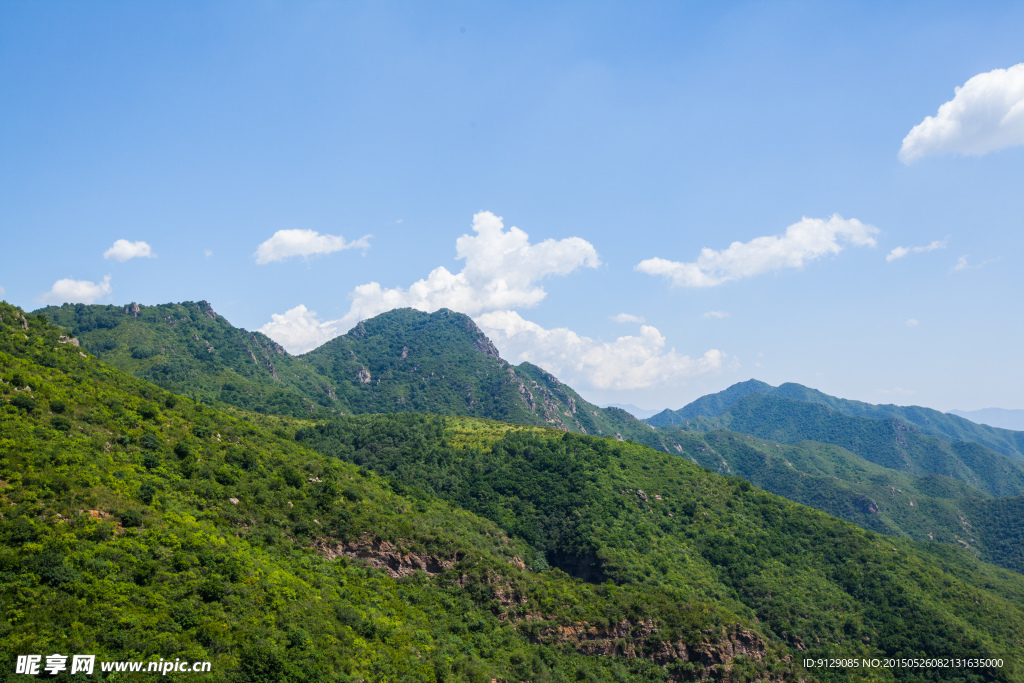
119 537
636 517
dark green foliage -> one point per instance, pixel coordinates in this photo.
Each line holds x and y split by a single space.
61 424
24 402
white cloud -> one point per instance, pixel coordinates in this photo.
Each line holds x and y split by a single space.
900 252
912 322
76 291
631 362
2 291
300 330
626 318
305 243
810 239
208 253
502 271
716 314
986 114
122 250
962 264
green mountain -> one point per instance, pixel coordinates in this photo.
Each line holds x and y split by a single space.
887 442
138 525
400 361
832 479
946 426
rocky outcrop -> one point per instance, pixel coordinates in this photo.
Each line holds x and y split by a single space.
714 656
132 310
385 556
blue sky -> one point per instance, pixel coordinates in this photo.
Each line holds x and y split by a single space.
270 156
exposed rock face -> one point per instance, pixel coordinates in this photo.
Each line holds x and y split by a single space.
364 376
386 556
132 310
207 309
715 654
67 340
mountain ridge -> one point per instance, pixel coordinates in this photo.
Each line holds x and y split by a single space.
946 426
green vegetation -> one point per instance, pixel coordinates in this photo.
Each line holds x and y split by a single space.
623 513
400 361
830 478
188 349
136 525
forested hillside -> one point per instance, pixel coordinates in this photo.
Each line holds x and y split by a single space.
399 361
138 525
832 479
606 511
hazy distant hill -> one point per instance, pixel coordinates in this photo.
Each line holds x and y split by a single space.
400 361
888 442
943 425
640 413
994 417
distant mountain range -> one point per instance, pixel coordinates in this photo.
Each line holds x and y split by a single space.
994 417
926 420
640 413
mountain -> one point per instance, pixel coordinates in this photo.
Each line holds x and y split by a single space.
834 480
138 525
942 425
400 361
640 413
189 349
887 442
994 417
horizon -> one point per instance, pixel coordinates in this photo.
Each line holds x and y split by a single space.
652 205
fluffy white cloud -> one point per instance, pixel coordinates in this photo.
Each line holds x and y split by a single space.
207 253
805 241
300 330
76 291
287 243
985 114
912 322
715 314
900 252
631 362
122 250
502 271
626 318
